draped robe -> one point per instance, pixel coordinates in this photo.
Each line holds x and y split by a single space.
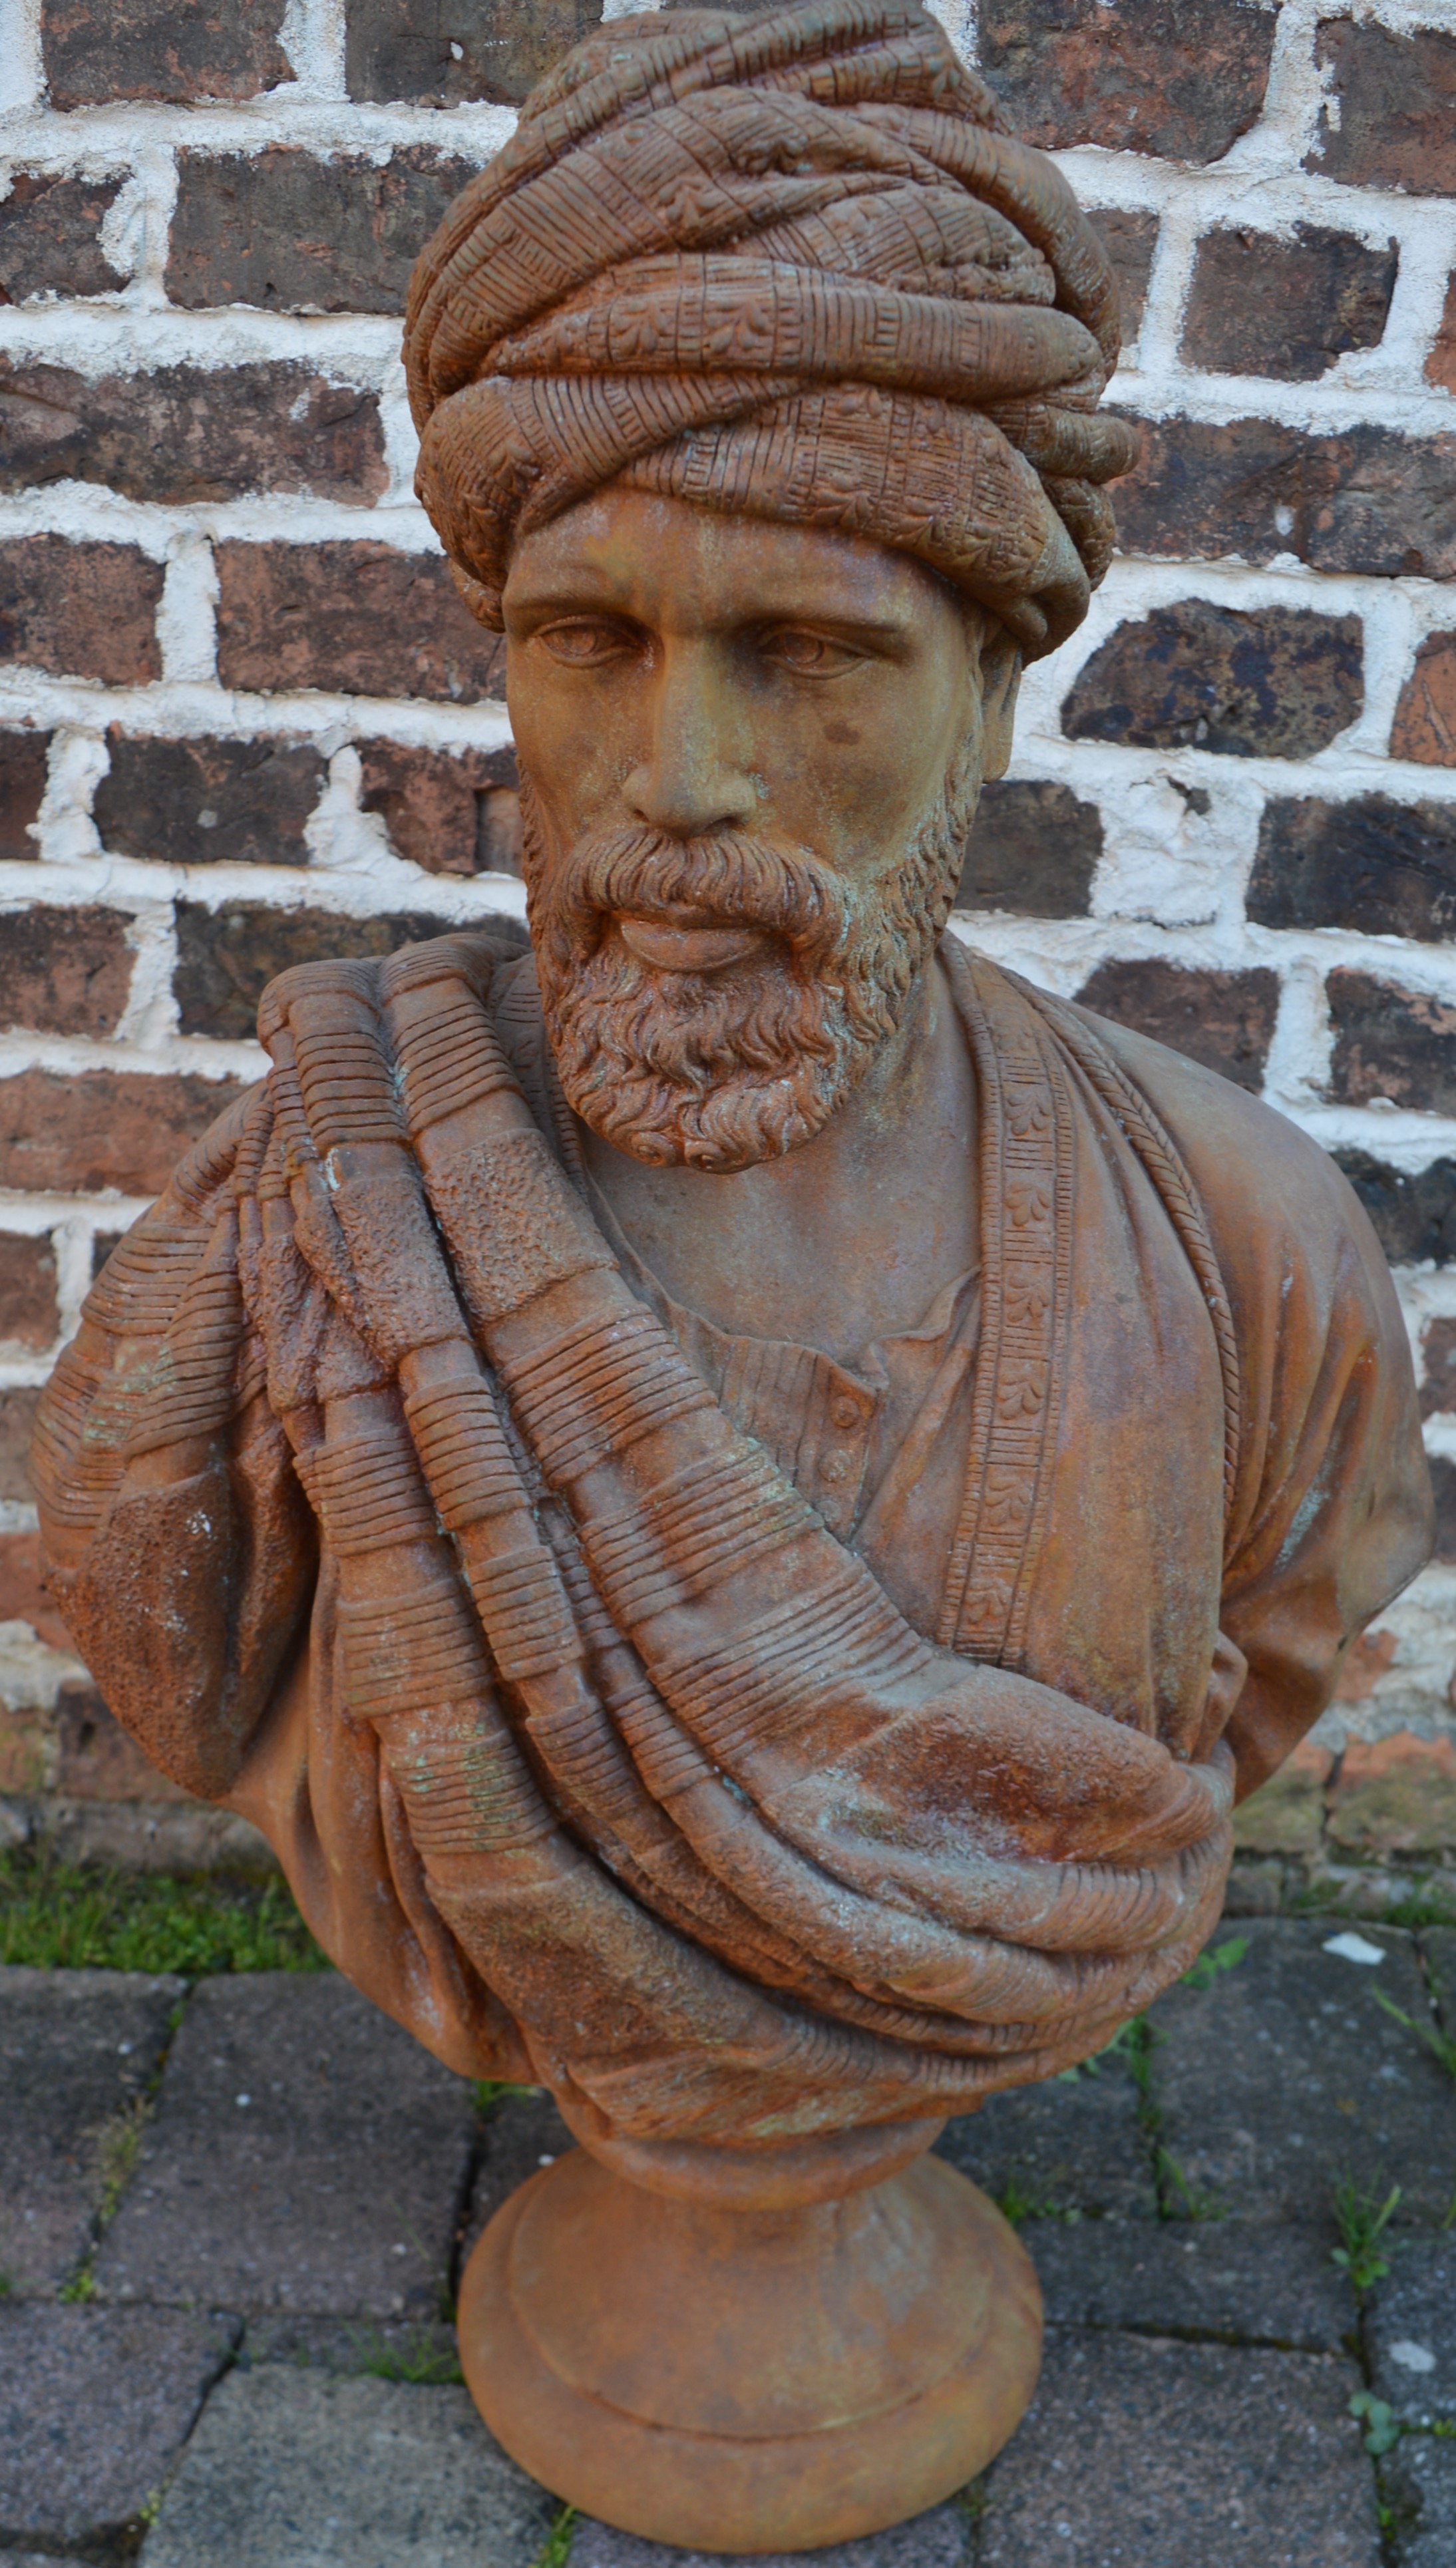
604 1739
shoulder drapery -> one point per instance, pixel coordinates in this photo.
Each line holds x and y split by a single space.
383 1508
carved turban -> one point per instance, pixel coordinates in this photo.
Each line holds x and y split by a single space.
791 266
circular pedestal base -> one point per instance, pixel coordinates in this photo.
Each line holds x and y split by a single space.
750 2380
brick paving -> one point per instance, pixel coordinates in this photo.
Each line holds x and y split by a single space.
224 2339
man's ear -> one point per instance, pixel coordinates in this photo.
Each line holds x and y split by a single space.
1001 681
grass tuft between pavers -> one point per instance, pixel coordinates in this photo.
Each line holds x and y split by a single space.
60 1916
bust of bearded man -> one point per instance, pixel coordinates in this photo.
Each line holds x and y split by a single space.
737 1489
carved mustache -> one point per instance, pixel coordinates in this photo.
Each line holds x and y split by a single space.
728 879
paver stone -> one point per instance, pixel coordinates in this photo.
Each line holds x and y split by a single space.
77 2049
1071 2145
95 2406
1194 2278
1410 2329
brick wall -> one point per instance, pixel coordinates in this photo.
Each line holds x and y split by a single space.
243 718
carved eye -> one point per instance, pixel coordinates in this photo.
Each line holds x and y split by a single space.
584 643
807 654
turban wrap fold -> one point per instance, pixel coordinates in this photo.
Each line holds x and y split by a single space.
791 266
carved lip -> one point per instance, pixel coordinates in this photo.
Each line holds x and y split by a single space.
677 945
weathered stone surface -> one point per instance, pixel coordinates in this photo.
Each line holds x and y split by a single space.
355 619
939 2539
1286 1816
1180 77
1275 683
1129 237
1438 1369
226 957
1420 2486
1071 2145
292 2467
208 802
449 50
1258 305
95 1761
1387 120
1395 1795
1286 2073
1409 2328
1443 1487
79 610
28 1314
22 789
1439 1952
1190 2277
50 237
1033 849
1222 1019
305 2155
291 233
1414 1217
1364 500
94 2408
1389 1042
185 432
1383 867
172 49
1424 728
1441 363
65 971
88 1129
442 809
379 2348
76 2050
1183 2455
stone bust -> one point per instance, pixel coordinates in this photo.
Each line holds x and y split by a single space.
737 1490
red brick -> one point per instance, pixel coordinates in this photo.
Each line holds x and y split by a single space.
1033 850
291 233
444 51
208 802
1369 1657
1129 240
1365 500
16 1422
95 1761
226 957
173 49
1438 1369
1413 1217
355 619
50 237
64 971
1443 1483
1389 123
1396 1795
22 791
95 1128
1286 1815
1425 718
79 610
28 1312
186 432
1390 1042
1225 1020
1278 682
1263 306
449 812
1441 363
23 1598
1179 78
1381 868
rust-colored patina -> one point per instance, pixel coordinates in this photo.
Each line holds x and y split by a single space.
736 1489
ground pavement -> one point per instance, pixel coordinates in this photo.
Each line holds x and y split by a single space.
231 2216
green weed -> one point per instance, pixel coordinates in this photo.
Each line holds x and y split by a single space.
556 2552
1382 2430
1211 1965
1195 2205
1016 2203
420 2359
490 2091
1362 2222
1440 2044
60 1916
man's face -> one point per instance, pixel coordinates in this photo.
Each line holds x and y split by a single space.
750 754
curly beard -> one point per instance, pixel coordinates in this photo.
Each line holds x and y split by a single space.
721 1069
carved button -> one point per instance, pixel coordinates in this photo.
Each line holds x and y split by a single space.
835 1467
845 1412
